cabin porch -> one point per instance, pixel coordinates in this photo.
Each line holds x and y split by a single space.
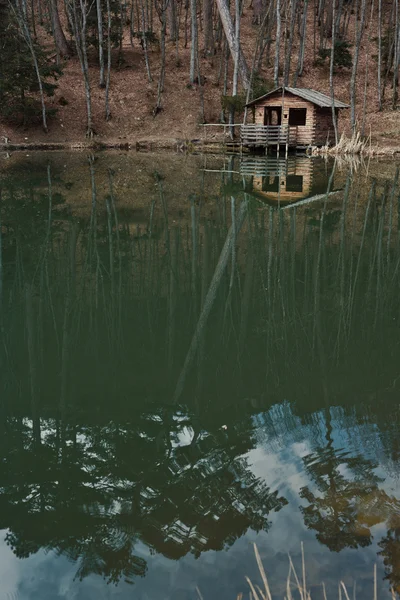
255 135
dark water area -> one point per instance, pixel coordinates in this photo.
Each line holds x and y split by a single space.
197 354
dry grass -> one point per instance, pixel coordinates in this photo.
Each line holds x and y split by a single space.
355 145
295 584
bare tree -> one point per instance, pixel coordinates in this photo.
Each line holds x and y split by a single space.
208 27
108 112
379 54
293 12
144 41
229 30
360 27
172 20
162 7
396 58
277 43
101 41
300 61
194 41
59 37
20 11
77 11
331 72
236 63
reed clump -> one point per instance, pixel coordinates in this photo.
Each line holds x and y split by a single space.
294 584
356 144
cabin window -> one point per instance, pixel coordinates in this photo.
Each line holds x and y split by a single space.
270 184
294 183
297 116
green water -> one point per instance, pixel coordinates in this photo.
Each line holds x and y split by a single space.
197 354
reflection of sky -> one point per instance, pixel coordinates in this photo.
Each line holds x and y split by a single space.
278 460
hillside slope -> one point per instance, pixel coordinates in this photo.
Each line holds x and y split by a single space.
133 97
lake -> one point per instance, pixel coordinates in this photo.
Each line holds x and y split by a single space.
197 354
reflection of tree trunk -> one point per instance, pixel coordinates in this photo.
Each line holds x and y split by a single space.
194 251
246 300
65 348
210 298
1 270
64 358
32 363
204 281
331 466
173 274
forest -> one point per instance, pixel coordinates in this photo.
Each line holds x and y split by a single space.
125 68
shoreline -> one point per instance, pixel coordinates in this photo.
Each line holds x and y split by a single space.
178 145
143 145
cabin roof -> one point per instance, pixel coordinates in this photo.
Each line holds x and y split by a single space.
317 98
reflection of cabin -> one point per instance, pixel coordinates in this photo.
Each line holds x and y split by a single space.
291 117
278 180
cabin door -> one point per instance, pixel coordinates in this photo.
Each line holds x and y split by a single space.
272 115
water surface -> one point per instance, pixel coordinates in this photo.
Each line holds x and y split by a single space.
197 354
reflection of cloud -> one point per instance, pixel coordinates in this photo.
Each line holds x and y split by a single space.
283 442
282 471
46 576
184 437
9 570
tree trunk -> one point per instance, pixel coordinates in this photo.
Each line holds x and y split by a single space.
293 5
172 20
396 59
367 52
227 24
108 112
257 11
144 44
278 42
160 87
101 41
193 47
236 65
208 27
78 22
300 63
331 73
59 35
379 54
20 13
359 34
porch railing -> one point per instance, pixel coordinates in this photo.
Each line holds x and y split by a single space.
259 166
268 135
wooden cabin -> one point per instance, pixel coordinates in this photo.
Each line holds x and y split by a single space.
291 117
279 181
